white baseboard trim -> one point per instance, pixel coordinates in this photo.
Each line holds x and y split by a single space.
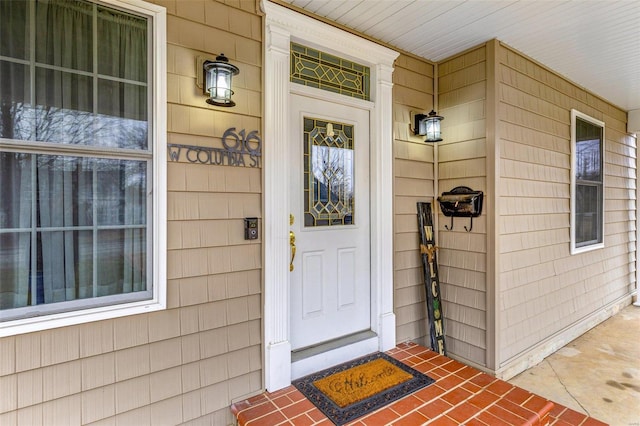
278 360
387 332
536 354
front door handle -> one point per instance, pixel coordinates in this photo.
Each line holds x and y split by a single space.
292 243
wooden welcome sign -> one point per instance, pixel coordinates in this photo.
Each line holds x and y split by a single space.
428 250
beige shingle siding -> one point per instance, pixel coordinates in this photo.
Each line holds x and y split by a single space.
188 362
544 288
215 273
462 162
413 182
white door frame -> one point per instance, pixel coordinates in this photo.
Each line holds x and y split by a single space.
282 27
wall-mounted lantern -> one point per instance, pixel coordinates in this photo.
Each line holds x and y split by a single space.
428 125
217 81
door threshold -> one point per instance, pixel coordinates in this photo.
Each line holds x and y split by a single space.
315 358
310 351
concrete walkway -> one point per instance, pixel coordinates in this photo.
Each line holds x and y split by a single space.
597 374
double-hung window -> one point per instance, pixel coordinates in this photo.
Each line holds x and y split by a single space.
82 161
587 182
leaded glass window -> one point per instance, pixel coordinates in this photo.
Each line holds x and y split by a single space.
322 70
328 173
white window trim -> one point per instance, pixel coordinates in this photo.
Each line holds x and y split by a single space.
577 114
158 120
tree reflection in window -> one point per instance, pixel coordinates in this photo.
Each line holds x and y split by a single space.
588 172
329 173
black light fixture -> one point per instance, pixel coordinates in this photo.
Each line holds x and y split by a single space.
217 81
428 125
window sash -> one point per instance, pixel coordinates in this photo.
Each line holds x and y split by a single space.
70 217
94 93
587 183
588 223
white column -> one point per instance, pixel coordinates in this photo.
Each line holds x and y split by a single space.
276 215
633 126
382 207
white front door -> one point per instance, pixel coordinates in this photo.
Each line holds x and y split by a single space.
330 283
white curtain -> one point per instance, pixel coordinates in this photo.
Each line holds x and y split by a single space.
121 53
122 251
91 219
15 214
134 267
60 274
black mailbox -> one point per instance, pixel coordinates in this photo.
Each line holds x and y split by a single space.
461 201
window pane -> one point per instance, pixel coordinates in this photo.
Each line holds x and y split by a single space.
587 214
16 117
123 100
64 35
588 165
16 192
122 45
65 103
588 151
122 192
65 267
122 120
14 29
122 261
15 254
65 191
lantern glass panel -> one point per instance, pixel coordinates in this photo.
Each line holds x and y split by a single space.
219 84
422 129
433 129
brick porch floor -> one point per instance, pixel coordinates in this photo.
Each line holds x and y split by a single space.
460 395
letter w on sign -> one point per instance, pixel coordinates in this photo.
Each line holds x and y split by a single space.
428 251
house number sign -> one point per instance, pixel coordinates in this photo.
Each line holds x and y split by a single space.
240 149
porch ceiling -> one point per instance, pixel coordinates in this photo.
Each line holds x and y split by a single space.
594 43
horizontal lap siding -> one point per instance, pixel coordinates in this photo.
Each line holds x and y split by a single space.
545 289
186 363
462 162
413 182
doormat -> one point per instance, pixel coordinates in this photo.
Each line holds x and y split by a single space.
353 389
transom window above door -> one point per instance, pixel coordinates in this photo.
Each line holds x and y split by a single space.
314 68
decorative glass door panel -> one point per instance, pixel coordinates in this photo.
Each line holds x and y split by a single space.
328 173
